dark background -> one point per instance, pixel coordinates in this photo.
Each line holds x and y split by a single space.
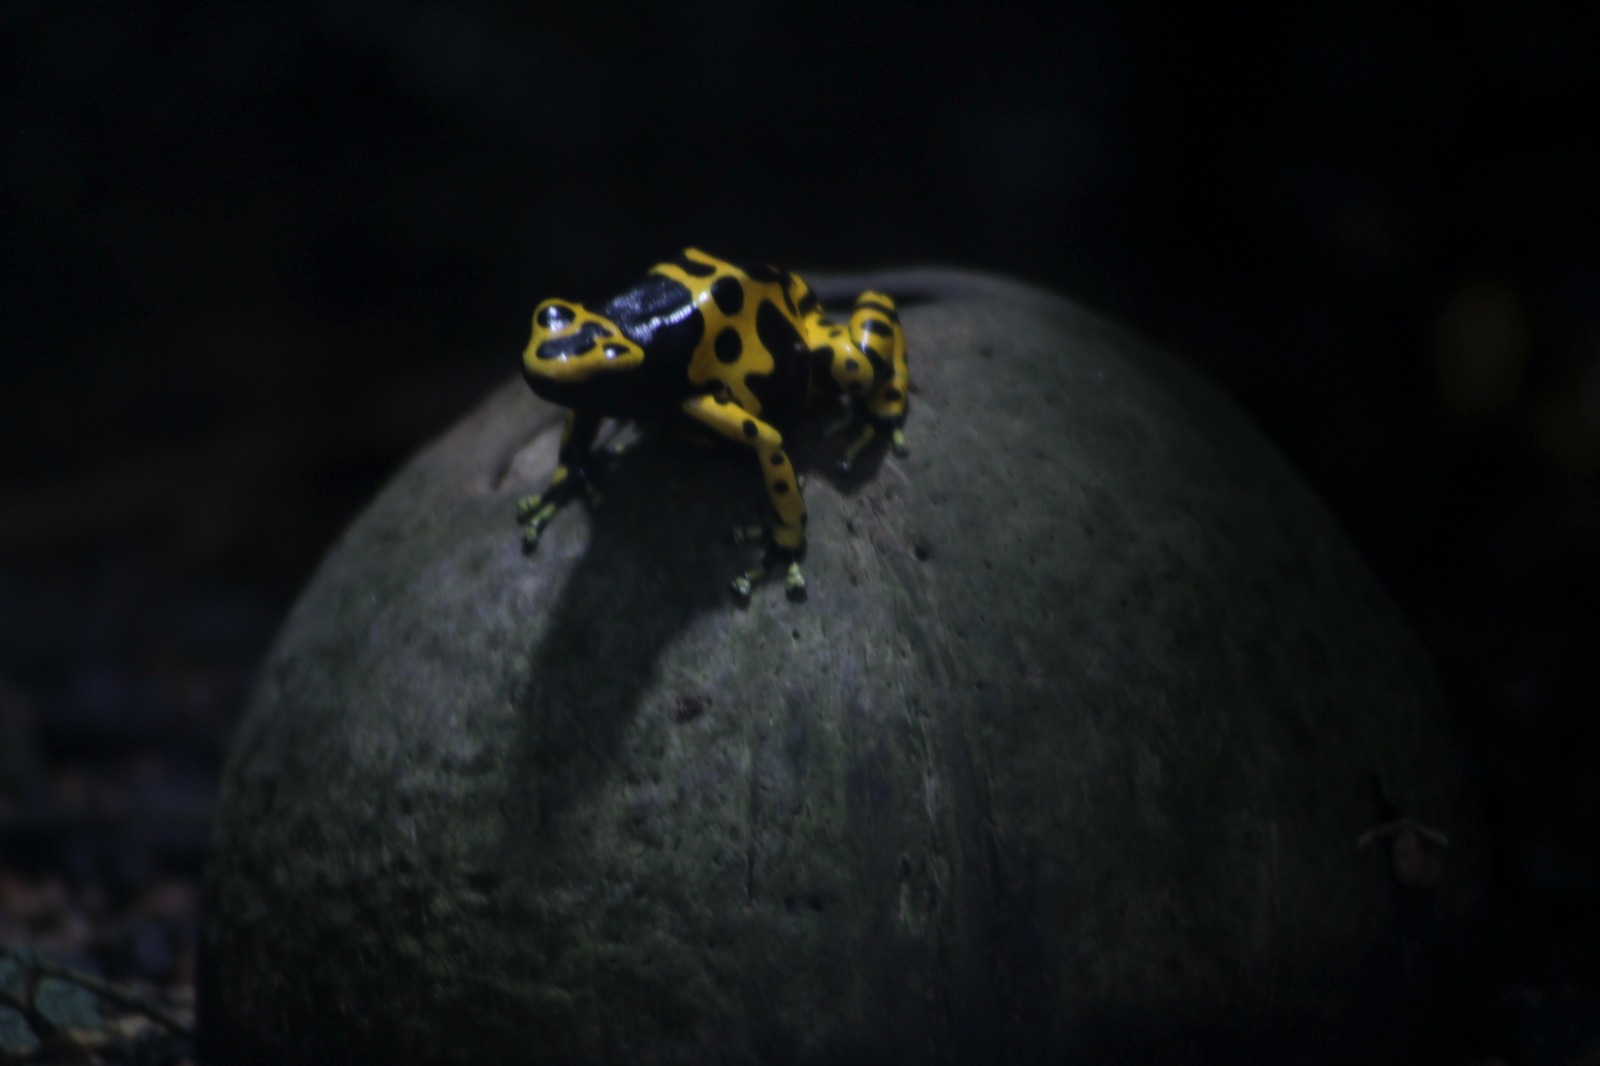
254 255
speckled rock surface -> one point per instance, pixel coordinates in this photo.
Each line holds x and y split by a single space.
1065 754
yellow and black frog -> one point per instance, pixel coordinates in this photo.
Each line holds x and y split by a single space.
702 344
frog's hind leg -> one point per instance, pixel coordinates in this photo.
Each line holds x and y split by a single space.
879 385
875 328
787 535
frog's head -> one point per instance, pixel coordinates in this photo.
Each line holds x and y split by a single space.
572 344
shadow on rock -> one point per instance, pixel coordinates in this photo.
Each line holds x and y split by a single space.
660 554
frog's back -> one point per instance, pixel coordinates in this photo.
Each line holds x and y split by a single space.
739 326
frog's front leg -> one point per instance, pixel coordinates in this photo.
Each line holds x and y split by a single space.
572 473
786 536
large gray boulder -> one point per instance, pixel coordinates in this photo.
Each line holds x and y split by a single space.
1063 759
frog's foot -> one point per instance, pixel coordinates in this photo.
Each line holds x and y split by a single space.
528 506
855 447
869 432
533 519
535 512
742 584
794 582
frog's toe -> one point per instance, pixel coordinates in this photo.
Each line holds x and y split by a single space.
794 583
897 441
537 518
749 534
528 506
740 586
530 537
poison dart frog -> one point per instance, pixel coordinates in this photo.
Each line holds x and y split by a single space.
702 344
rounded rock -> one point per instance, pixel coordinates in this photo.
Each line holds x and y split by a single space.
1065 754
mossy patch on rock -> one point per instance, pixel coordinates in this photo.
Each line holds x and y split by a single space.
1065 753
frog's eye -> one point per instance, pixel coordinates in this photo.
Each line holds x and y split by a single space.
615 350
554 317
